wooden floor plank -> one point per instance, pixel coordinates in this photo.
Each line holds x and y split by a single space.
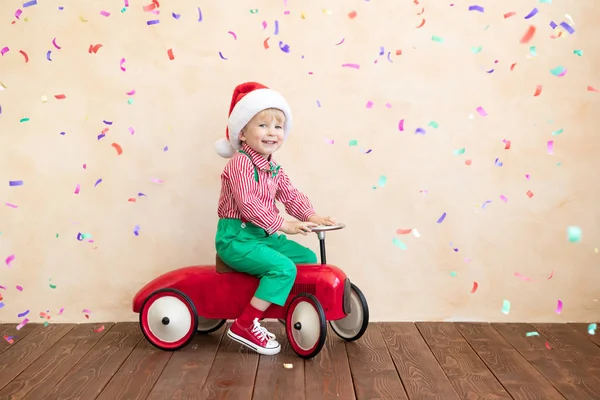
420 372
138 374
519 378
578 347
463 367
185 374
232 373
87 379
40 377
327 376
21 355
558 368
273 381
373 370
583 330
17 335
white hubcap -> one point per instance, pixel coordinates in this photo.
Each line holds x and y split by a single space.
306 314
178 315
349 326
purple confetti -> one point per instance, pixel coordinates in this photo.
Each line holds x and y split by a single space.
136 230
476 8
199 15
15 183
222 56
48 55
553 24
567 27
388 56
107 122
381 50
140 194
420 131
100 136
285 48
79 237
318 104
166 148
176 16
441 219
60 8
485 204
63 133
152 22
97 182
30 3
276 28
24 313
531 13
1 304
498 163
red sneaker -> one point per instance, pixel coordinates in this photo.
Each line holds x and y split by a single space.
255 337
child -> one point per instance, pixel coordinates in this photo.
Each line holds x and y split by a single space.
246 240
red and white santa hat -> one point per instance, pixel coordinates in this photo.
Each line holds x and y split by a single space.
249 99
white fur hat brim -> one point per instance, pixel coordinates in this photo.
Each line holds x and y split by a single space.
251 104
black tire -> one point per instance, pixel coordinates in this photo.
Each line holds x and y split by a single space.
352 333
212 329
295 328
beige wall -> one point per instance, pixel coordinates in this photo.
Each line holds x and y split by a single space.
183 104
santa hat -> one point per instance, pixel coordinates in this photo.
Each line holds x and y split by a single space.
249 99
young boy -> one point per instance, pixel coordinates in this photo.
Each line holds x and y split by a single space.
247 240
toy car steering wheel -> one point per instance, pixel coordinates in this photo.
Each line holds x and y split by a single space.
323 228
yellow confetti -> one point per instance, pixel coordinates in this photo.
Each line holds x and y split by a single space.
303 16
327 11
82 19
288 366
3 86
44 99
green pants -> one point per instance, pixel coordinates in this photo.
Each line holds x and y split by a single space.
272 258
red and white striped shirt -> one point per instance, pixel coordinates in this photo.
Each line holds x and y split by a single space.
242 197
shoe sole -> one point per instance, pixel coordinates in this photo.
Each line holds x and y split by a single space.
258 349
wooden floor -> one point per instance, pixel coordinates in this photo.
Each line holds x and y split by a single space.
442 360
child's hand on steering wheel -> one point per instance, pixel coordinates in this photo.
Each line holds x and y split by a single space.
294 227
317 219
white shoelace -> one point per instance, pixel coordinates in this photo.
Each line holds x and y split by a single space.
260 332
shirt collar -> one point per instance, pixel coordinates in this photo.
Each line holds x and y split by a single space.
257 158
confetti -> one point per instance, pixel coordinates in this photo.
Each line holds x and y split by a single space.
574 234
199 15
422 23
538 90
4 50
355 66
548 346
94 48
19 288
276 32
529 194
222 56
510 14
398 243
559 307
403 231
265 44
503 198
284 47
176 16
506 144
567 27
476 8
531 13
30 3
136 230
382 180
118 148
528 35
522 277
481 111
437 39
48 55
60 96
170 54
99 329
401 125
77 189
578 52
592 328
530 334
288 366
104 13
21 315
254 11
459 151
233 34
474 288
558 71
592 89
9 260
550 146
337 44
420 131
441 219
153 22
353 142
505 307
24 55
15 183
22 324
352 14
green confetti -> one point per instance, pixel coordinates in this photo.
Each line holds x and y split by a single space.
476 50
505 307
51 285
574 234
86 236
254 11
353 142
486 28
382 180
578 52
24 120
434 124
453 274
532 51
398 243
546 1
459 151
558 132
592 328
530 334
558 70
130 101
46 323
437 39
57 235
123 9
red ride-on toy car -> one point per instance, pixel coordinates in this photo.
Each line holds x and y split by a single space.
199 299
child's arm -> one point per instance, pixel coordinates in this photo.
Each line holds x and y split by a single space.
296 203
246 193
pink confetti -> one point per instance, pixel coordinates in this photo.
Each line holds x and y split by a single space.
55 45
11 205
233 34
369 104
548 346
19 288
104 13
388 105
22 324
85 310
559 307
329 141
131 93
131 130
121 64
100 329
61 311
126 3
18 13
503 198
355 66
521 276
4 50
527 176
337 44
10 259
156 180
551 275
401 125
550 146
77 189
481 111
264 24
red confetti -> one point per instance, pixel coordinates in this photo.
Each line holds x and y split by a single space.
512 67
403 231
475 286
60 96
509 14
24 55
551 275
538 90
94 48
528 35
399 52
131 200
592 89
352 14
265 44
468 162
99 329
422 23
507 145
529 193
170 53
118 148
548 346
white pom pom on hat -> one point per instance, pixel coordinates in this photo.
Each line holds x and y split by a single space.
249 99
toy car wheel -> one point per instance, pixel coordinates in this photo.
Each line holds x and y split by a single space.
168 319
206 325
305 325
354 325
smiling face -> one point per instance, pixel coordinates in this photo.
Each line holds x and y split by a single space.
264 133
